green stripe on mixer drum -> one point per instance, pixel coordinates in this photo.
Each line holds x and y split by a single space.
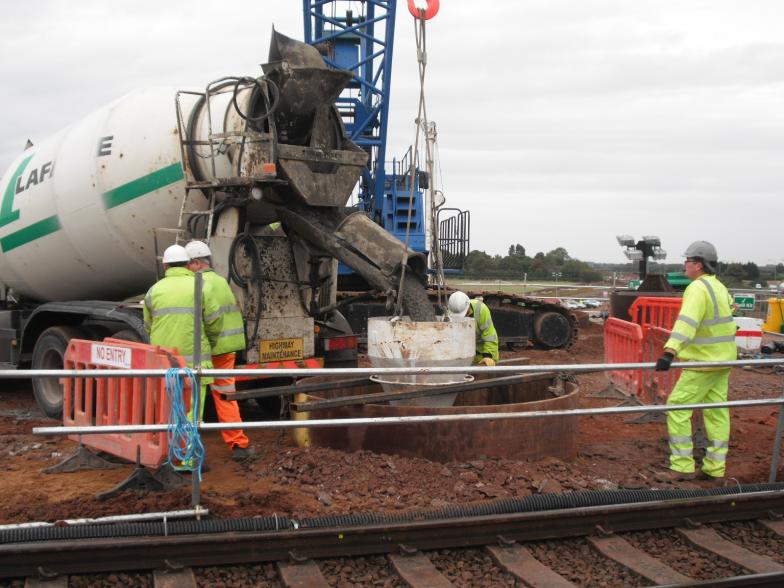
30 233
144 185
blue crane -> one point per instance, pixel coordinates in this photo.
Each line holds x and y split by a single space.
362 42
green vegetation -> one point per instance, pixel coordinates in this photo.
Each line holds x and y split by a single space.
542 266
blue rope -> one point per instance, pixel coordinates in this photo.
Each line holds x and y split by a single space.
186 451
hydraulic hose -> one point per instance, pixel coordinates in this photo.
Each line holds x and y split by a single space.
257 88
228 82
246 240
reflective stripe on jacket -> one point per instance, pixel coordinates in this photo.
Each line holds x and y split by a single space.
486 336
704 329
168 316
231 329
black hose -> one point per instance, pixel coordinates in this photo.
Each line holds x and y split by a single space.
197 107
257 87
246 240
193 220
535 503
152 528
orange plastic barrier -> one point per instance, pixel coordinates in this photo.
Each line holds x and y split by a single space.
623 344
119 401
656 386
651 311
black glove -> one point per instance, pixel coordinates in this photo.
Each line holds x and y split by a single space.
663 363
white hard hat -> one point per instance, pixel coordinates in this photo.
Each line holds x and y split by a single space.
197 249
458 304
175 254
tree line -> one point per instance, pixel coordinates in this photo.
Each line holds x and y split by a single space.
516 265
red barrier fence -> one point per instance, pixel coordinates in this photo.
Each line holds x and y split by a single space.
119 401
654 317
623 344
651 311
656 386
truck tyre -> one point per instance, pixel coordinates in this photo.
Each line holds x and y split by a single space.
48 354
128 335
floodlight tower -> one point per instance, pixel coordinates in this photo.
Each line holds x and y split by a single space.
647 247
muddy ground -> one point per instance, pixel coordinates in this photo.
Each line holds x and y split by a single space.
283 479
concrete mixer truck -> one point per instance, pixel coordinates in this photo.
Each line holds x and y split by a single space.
259 167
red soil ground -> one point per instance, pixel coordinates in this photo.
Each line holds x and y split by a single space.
284 479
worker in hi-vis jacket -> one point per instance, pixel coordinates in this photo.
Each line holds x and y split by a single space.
459 304
703 331
169 313
225 341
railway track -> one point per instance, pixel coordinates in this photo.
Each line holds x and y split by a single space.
730 537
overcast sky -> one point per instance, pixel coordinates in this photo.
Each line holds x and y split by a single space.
561 122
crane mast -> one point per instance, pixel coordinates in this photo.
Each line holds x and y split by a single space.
363 43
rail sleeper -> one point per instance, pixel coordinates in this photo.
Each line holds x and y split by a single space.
627 555
302 575
519 562
710 540
418 571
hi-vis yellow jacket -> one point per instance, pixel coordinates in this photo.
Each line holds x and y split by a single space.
486 336
704 329
169 316
231 334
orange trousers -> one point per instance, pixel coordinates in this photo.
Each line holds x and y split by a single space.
228 410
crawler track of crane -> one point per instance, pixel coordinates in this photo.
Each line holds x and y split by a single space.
515 317
412 546
513 303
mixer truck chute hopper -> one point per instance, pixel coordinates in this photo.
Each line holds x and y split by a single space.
258 167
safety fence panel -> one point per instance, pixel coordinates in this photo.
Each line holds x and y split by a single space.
656 386
96 401
651 311
623 344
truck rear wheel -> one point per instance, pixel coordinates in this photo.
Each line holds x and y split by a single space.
48 354
128 335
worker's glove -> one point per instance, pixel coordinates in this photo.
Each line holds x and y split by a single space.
664 362
487 361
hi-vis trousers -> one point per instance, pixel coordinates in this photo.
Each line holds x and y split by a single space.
228 410
696 387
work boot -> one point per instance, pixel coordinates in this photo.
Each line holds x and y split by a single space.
673 476
240 453
716 480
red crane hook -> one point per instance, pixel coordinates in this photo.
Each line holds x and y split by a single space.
430 7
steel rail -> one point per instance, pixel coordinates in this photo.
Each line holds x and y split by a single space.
404 420
357 372
141 553
769 580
